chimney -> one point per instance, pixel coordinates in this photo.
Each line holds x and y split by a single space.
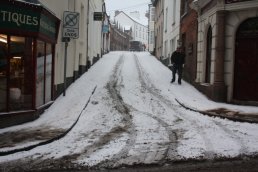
116 12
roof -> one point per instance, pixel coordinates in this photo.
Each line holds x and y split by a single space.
134 19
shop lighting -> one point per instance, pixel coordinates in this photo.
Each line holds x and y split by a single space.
3 40
16 57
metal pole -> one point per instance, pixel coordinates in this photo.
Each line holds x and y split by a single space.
65 59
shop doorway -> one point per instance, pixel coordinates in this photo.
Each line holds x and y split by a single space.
246 62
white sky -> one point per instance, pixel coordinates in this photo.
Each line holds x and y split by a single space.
127 6
153 110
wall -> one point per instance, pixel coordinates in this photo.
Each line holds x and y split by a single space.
188 33
159 28
79 51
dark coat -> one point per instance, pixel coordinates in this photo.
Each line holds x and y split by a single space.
178 58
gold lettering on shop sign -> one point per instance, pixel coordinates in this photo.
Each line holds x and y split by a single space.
18 18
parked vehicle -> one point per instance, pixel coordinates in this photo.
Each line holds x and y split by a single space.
136 46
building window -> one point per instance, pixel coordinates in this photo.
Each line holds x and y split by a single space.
166 20
20 73
184 7
16 73
44 73
3 72
174 12
49 59
166 43
208 56
152 16
40 81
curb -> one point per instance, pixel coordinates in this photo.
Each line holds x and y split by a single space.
239 118
50 140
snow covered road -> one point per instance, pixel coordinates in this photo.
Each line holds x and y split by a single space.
132 118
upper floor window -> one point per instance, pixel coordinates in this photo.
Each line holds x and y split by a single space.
152 14
184 7
166 20
232 1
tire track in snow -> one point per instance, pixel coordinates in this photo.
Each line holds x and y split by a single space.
232 135
173 135
144 79
113 87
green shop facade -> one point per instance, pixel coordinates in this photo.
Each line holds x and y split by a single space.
28 34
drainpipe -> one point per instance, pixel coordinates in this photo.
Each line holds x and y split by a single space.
102 34
87 34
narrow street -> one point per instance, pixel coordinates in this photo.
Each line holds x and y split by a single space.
128 119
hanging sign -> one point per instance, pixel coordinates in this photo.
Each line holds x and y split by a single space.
98 16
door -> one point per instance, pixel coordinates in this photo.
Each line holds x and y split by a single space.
246 70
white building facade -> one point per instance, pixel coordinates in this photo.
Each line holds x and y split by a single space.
139 30
82 50
171 27
151 27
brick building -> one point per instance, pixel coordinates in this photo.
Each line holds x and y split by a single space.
119 38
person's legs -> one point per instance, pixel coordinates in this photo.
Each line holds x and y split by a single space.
180 71
173 74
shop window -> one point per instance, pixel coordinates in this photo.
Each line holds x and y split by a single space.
44 73
20 73
48 72
3 72
40 77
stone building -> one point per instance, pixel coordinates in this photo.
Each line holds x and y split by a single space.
227 53
119 37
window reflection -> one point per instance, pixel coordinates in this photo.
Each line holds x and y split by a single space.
48 72
3 72
21 73
40 82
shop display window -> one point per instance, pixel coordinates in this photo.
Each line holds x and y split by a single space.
40 81
49 57
25 83
3 72
44 73
20 73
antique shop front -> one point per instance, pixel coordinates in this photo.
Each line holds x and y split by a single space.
28 34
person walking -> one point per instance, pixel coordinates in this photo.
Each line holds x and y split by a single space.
177 60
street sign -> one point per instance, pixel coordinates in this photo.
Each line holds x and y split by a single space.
71 25
98 16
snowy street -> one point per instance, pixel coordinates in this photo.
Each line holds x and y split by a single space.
127 115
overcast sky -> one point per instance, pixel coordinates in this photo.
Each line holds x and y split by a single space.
127 6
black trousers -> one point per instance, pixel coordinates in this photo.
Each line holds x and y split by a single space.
179 70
